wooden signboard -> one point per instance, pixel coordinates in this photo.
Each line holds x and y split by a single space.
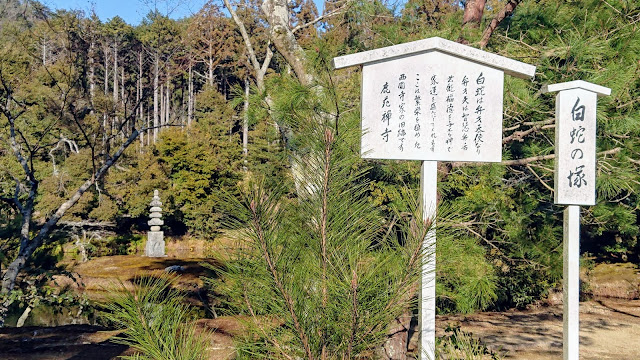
432 100
575 185
575 170
420 110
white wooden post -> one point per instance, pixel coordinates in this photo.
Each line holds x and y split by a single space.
574 185
432 100
571 283
429 198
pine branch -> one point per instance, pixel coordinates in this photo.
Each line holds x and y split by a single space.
354 312
637 162
407 286
328 140
276 278
257 324
507 10
520 135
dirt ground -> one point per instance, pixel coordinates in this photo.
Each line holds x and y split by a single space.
609 329
609 326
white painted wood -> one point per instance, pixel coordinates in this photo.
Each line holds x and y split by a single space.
429 199
414 108
571 283
509 66
577 84
575 164
440 124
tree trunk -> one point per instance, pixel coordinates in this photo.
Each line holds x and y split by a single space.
141 126
92 73
23 317
190 97
122 104
122 85
182 112
148 132
115 72
156 70
115 81
210 73
105 51
139 112
167 104
258 70
162 120
508 9
245 122
260 80
80 243
473 12
105 119
277 14
8 283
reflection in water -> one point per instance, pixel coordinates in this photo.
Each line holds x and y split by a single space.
47 315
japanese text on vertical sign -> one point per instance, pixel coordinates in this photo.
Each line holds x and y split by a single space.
465 113
433 92
386 111
577 178
449 101
480 93
401 110
417 111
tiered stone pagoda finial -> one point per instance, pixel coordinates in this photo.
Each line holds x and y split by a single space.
155 237
156 212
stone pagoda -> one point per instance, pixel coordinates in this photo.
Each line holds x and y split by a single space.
155 236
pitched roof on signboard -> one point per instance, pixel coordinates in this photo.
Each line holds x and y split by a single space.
577 84
509 66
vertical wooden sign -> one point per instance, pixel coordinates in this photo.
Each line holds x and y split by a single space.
574 185
432 100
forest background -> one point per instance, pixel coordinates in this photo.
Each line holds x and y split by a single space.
96 115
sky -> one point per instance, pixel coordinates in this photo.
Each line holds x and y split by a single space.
133 11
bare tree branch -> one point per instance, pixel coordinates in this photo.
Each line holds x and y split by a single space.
539 178
245 35
9 278
528 160
320 18
277 15
259 70
520 135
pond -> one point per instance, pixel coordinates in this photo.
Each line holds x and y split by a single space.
47 315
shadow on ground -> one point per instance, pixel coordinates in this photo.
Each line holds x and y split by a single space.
60 342
609 329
